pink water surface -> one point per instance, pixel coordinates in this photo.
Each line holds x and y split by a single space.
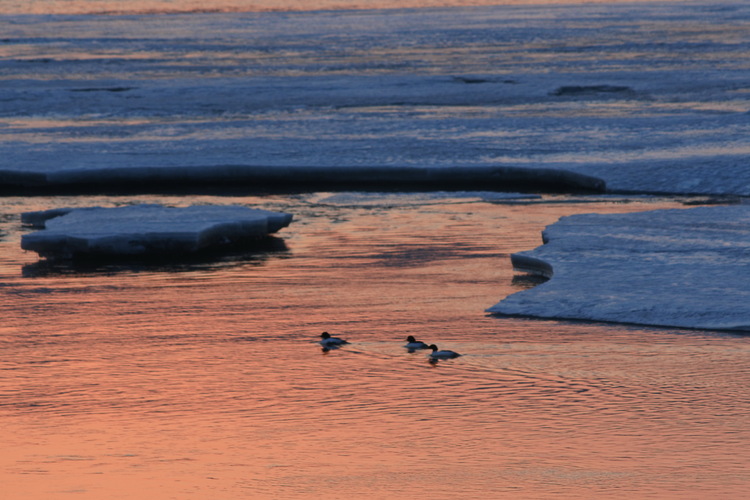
170 6
204 380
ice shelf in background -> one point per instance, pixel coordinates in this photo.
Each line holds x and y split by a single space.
144 230
656 103
681 268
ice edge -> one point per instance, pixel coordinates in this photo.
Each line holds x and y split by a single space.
501 178
524 262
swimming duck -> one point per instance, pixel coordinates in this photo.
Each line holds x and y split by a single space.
413 344
329 342
438 355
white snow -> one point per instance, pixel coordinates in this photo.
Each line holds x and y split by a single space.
146 229
683 268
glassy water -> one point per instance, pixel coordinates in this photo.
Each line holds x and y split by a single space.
204 379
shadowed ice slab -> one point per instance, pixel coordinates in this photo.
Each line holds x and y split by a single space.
681 268
142 230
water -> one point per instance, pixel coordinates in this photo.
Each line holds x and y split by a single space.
204 379
197 6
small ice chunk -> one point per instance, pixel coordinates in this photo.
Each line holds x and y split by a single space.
144 230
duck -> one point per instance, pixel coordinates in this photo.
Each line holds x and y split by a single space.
329 342
437 355
413 344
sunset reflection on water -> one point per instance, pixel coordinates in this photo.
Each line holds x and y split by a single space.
172 6
207 382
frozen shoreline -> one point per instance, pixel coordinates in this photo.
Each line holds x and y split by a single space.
675 268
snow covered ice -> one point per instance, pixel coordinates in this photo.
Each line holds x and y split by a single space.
146 230
683 267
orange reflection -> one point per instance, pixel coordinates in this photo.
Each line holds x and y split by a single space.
210 383
168 6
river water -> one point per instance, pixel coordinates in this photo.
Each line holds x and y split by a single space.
203 379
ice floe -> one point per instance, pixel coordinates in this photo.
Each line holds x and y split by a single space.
681 267
146 230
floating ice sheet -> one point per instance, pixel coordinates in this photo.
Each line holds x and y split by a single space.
144 230
682 268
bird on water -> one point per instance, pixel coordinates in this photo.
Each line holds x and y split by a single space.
437 354
329 342
413 344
